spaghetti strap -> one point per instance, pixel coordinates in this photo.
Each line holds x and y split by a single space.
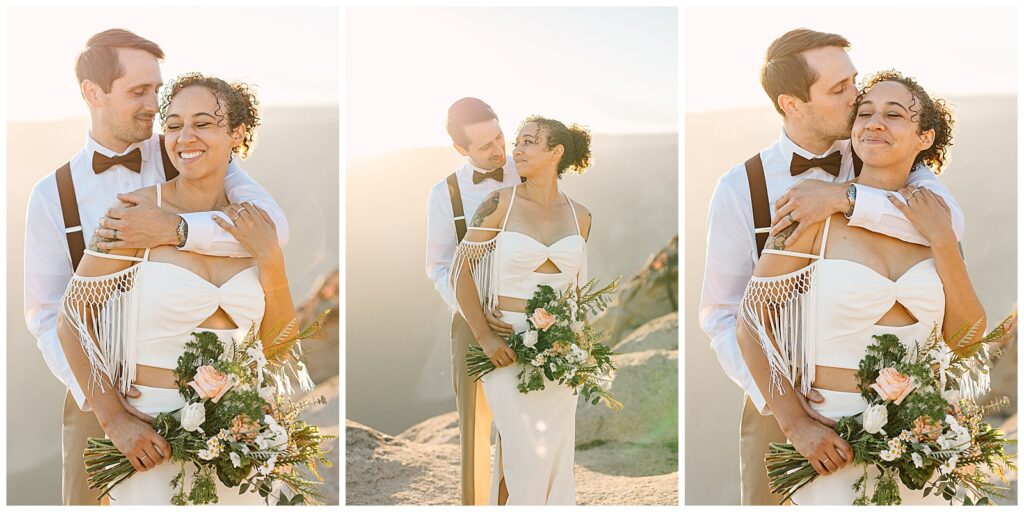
510 203
824 238
574 217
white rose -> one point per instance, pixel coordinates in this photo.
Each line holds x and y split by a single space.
875 417
530 338
918 461
236 461
192 416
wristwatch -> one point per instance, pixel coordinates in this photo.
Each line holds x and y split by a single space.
182 232
851 196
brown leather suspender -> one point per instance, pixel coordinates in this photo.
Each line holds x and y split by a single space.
69 205
758 200
169 171
69 209
457 211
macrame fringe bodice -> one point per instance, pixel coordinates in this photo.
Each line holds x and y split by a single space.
496 261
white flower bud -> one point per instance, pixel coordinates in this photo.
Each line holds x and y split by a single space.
192 416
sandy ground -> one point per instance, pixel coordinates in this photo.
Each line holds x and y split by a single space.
418 469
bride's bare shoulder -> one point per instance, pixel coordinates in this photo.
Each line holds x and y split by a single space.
583 216
492 209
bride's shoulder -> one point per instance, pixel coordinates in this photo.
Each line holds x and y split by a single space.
142 193
583 216
492 209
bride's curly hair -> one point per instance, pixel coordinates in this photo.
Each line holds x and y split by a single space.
574 138
237 105
930 114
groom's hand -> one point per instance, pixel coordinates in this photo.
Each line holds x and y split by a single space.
500 328
133 392
138 223
808 203
814 396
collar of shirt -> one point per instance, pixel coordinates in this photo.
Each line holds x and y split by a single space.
92 146
510 174
787 148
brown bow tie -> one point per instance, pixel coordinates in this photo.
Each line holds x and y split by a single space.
496 175
132 160
829 164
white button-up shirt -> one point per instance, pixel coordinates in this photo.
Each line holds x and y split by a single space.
48 260
732 251
441 237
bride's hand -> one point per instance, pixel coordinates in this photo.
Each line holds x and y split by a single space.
253 228
143 447
928 212
821 446
497 351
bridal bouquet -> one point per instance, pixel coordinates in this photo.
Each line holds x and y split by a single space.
923 425
237 424
559 344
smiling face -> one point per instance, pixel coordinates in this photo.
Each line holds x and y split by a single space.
486 148
833 95
197 136
128 110
886 131
532 155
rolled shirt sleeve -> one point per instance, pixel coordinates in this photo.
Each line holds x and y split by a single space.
47 273
876 213
206 237
728 268
441 243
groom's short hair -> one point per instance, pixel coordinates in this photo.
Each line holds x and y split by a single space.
785 70
463 112
98 62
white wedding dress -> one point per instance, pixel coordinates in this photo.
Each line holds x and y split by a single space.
536 437
829 320
156 308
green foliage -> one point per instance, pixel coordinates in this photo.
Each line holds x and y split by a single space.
932 369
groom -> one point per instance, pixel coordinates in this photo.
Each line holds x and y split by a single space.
766 201
118 75
476 135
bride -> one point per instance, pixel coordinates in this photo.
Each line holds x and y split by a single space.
839 285
523 237
141 307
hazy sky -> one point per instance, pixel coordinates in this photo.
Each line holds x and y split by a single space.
950 50
612 69
291 54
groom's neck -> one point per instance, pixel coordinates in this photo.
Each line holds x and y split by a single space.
806 137
105 138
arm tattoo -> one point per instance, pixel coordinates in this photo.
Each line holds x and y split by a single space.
94 243
486 209
777 242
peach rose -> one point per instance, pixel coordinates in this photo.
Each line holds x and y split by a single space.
244 429
892 385
210 383
541 319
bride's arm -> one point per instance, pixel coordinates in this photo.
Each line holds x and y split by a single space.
143 447
931 216
256 231
486 220
822 446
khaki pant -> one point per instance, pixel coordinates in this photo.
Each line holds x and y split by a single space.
756 431
474 419
78 426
